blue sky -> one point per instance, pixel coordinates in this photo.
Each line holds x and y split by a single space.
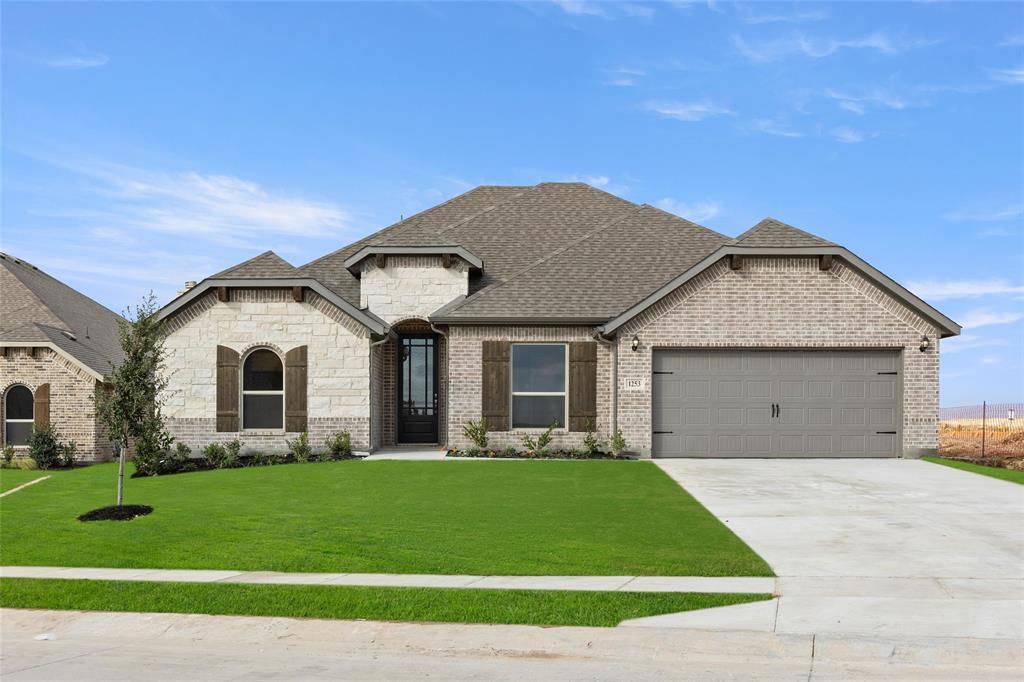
145 144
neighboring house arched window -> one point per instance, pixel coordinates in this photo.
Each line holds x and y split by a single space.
19 415
262 390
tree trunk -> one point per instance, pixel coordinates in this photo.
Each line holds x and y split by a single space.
120 473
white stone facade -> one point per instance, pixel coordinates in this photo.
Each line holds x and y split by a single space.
338 380
411 286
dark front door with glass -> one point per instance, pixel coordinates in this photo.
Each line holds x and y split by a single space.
417 388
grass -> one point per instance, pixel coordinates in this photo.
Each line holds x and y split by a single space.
479 518
994 472
12 478
530 607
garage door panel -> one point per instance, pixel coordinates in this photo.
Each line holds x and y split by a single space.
718 403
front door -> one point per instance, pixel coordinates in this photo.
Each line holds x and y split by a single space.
417 388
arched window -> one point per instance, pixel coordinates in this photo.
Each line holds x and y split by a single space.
262 390
19 415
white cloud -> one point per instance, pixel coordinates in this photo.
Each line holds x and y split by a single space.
1009 212
220 208
688 111
580 7
984 317
859 103
1008 75
634 10
624 76
84 59
958 344
816 48
697 212
771 127
848 135
988 360
749 17
965 288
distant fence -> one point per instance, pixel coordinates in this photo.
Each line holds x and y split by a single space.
986 430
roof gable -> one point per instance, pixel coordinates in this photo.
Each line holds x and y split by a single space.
771 232
267 264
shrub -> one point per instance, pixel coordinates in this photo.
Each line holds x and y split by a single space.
216 456
339 445
25 463
509 451
263 459
591 443
8 455
44 446
67 453
618 443
476 432
472 451
541 443
300 447
233 448
151 448
178 459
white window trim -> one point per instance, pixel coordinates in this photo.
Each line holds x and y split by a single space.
7 421
242 393
513 392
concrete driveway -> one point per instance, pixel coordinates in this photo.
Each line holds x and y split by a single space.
881 547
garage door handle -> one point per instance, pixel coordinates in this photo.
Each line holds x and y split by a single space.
888 373
889 433
658 433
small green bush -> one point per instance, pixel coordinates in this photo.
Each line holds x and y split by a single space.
539 445
591 443
67 453
8 455
44 447
472 451
509 451
300 447
216 456
25 463
263 459
476 432
618 443
339 445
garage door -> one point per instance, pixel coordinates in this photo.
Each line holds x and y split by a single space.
746 403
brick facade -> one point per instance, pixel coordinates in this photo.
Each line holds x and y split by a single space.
72 390
783 303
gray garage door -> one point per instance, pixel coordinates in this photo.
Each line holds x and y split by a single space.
746 403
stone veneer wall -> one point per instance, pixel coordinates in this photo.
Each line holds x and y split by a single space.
411 286
72 409
783 303
464 376
338 365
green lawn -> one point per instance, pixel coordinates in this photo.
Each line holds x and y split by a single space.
994 472
531 607
12 478
480 518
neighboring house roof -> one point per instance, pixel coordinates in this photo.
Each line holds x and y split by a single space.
559 252
38 309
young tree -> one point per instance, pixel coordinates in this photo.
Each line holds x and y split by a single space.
129 404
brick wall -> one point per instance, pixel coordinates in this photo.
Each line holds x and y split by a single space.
780 303
387 399
465 366
72 410
338 370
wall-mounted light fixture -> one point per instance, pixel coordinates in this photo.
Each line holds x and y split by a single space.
636 342
925 343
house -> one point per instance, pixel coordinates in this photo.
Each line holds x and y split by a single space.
562 304
56 347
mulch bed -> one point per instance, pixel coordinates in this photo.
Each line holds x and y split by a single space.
126 512
553 454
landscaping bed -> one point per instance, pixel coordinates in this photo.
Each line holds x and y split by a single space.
472 518
1001 468
526 607
512 453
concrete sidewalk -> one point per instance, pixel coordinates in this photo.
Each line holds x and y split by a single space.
70 645
496 582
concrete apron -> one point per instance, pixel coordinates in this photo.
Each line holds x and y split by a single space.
44 645
890 548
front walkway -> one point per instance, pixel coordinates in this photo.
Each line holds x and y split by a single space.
874 547
413 452
496 582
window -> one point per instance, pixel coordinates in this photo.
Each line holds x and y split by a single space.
18 415
538 385
262 391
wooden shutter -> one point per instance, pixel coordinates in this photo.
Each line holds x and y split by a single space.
42 405
496 393
582 385
295 415
227 389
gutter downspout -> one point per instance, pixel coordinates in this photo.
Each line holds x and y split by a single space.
611 344
447 370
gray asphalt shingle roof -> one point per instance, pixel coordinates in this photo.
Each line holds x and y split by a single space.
38 308
552 250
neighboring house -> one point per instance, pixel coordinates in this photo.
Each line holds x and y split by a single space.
56 346
561 303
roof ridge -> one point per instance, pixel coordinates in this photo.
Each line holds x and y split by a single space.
397 227
497 285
